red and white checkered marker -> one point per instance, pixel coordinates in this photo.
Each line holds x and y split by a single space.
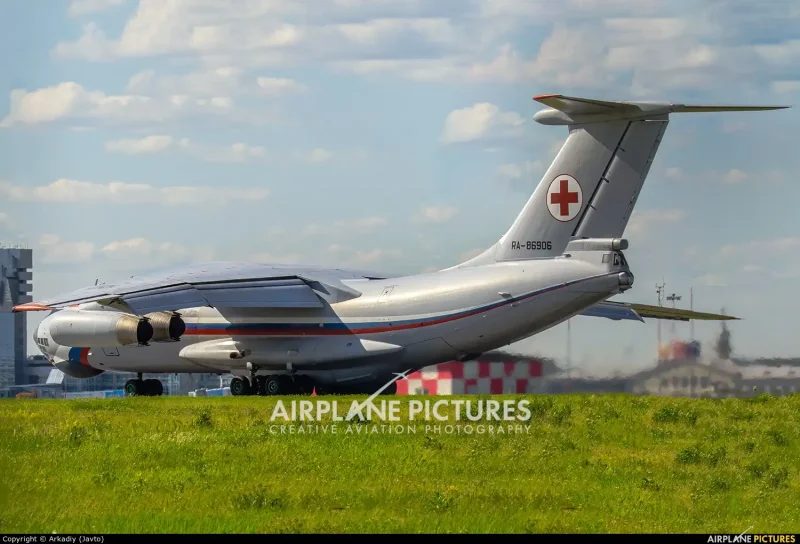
472 377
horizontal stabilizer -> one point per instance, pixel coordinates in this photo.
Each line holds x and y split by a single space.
680 108
621 311
568 110
678 314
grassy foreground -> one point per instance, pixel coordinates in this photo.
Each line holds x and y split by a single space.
587 463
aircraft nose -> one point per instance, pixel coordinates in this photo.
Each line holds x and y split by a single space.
37 338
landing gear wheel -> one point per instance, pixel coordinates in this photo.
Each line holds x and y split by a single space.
133 388
144 388
155 388
240 386
272 385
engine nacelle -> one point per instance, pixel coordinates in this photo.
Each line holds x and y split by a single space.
166 326
99 329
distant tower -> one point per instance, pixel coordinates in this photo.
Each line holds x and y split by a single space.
673 297
15 288
659 292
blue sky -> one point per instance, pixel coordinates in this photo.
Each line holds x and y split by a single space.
397 135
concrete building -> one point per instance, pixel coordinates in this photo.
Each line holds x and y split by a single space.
15 288
715 380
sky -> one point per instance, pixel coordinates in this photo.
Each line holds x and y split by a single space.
397 136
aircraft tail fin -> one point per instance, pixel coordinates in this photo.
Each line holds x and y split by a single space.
592 185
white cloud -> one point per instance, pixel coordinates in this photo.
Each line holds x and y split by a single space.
674 173
348 256
711 280
71 191
132 253
239 152
786 87
315 155
55 251
154 253
207 82
640 222
519 170
362 223
733 126
435 214
776 246
271 86
643 46
83 7
71 101
471 254
275 258
4 220
148 144
733 176
483 120
234 153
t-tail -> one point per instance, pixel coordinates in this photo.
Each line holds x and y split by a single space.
591 187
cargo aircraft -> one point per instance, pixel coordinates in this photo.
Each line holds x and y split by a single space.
290 329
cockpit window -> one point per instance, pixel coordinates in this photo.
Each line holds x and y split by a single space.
616 259
606 257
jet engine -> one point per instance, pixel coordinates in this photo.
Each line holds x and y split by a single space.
167 326
99 329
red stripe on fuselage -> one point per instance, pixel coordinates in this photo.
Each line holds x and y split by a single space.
230 330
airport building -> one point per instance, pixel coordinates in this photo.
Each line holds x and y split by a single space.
15 288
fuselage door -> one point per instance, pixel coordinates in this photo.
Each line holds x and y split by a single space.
111 352
385 294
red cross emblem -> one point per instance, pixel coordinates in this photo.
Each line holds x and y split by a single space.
564 198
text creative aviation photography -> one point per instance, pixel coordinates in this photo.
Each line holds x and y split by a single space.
303 329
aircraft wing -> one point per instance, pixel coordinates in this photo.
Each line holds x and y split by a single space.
219 284
637 312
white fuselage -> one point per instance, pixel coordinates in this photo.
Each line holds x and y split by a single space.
396 324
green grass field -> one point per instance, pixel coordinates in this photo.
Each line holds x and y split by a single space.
588 463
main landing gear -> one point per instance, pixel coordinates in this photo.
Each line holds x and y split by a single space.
283 384
143 388
271 385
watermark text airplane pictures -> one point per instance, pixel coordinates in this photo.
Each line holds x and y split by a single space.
471 417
